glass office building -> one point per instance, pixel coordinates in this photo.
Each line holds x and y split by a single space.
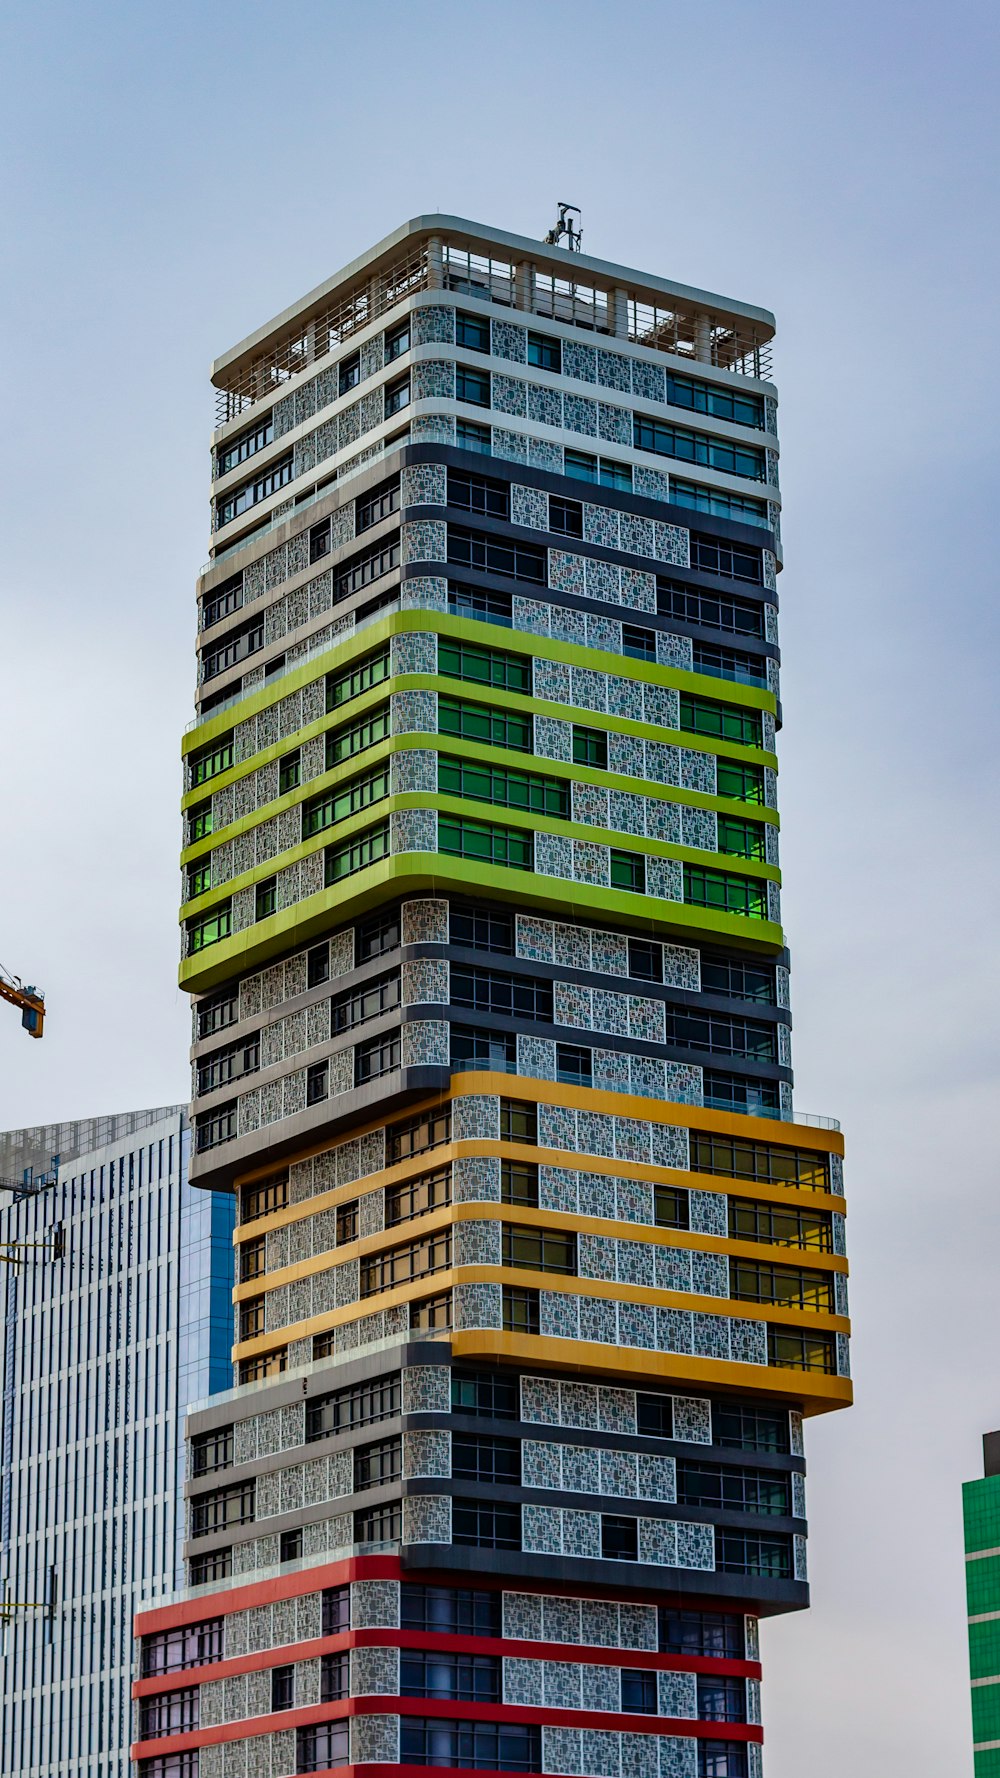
981 1504
116 1288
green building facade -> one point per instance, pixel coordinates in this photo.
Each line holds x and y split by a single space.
981 1511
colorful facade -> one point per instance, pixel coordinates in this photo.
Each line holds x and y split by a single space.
981 1503
538 1275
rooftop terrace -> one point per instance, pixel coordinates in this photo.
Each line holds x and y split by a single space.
449 253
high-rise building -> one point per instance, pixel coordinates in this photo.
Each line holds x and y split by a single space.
117 1282
981 1503
538 1275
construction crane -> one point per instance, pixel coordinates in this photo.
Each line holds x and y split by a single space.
29 999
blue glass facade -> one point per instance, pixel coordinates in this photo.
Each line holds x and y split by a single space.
104 1348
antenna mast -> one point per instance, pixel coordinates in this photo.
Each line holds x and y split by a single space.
574 236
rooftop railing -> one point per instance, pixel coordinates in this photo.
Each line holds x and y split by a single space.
685 330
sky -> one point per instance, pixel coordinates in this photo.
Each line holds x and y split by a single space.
176 175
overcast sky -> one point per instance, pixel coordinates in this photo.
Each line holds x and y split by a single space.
177 174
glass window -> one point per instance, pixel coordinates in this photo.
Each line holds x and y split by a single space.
476 493
480 722
491 990
479 840
263 1197
431 1314
655 1415
216 1012
282 1688
619 1538
518 1121
638 642
199 822
349 372
733 1490
397 396
342 687
377 507
545 351
738 507
590 747
318 965
209 929
266 898
317 1082
565 516
168 1713
416 1197
741 1426
520 1310
211 1451
722 1759
519 1183
377 1464
615 475
710 398
470 436
472 331
397 341
711 611
334 1677
490 1524
290 772
645 960
724 722
749 1552
450 1611
416 1135
253 1259
672 1207
574 1064
400 1265
360 1404
729 561
246 444
639 1690
379 1524
470 1746
321 1745
724 454
628 871
485 666
714 1634
475 1679
335 1610
211 760
757 1281
495 1051
189 1645
746 896
494 1394
490 554
493 1460
357 854
472 385
783 1225
539 1249
581 465
482 929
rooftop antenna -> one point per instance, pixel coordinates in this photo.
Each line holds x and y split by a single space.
574 236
